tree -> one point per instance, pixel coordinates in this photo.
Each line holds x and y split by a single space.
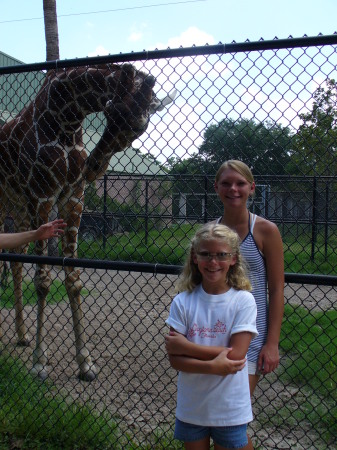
51 30
316 139
265 147
52 54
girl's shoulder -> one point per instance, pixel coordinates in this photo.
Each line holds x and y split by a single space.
264 229
264 224
244 296
186 295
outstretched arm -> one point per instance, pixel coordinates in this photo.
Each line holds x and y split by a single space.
45 231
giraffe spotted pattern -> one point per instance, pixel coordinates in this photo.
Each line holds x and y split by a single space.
43 163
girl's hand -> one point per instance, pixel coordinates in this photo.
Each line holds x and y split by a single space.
50 229
221 365
176 343
269 359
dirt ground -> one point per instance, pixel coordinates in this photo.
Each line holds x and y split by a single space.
125 323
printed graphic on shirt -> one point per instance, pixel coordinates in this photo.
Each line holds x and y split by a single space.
207 332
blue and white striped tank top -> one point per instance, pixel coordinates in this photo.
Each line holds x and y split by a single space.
258 278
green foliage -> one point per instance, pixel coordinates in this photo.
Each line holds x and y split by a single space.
130 216
313 337
298 259
314 151
91 200
35 415
167 246
57 293
264 146
301 256
309 340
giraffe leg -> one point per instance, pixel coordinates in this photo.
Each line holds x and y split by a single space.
73 284
70 208
19 319
40 356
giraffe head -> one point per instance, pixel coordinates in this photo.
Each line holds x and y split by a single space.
127 117
134 102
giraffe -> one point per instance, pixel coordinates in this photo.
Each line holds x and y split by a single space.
43 163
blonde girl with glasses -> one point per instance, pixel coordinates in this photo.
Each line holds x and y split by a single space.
212 321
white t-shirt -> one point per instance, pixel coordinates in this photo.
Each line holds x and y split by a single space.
213 400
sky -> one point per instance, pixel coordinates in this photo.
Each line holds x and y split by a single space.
90 28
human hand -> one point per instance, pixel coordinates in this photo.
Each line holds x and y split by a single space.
176 343
222 365
50 229
269 359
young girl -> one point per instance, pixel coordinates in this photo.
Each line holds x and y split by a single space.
212 321
261 246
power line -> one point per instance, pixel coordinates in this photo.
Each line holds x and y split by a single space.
106 11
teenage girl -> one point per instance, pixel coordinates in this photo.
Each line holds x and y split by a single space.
262 248
212 321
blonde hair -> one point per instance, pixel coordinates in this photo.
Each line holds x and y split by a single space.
238 166
236 275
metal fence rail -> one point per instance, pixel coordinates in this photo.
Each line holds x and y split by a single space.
254 101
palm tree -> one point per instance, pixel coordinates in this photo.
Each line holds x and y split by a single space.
52 54
51 30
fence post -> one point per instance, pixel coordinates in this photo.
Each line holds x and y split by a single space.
205 198
146 210
314 219
105 193
326 222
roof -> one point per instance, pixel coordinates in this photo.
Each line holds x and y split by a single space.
17 89
6 60
130 161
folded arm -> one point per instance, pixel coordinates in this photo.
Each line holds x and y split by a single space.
195 358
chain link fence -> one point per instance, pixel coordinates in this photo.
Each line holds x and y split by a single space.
271 104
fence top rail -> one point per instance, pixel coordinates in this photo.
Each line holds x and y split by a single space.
234 47
260 178
164 269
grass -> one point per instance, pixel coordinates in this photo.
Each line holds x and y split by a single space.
309 340
34 415
301 256
169 246
298 259
57 293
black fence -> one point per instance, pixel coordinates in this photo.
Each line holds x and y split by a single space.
269 103
303 207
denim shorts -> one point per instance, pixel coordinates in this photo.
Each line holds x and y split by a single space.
230 437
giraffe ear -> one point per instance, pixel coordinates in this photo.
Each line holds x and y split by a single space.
159 105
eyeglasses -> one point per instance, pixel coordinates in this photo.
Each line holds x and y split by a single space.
206 256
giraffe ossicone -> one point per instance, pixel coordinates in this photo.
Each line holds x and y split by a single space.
43 163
